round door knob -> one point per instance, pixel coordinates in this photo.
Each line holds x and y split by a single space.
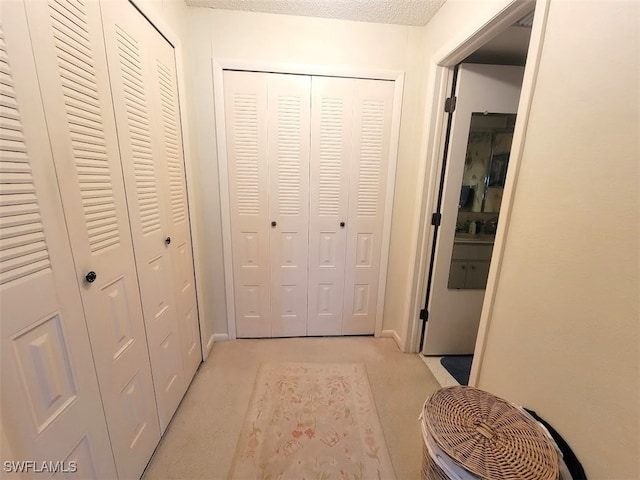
341 224
167 240
91 277
273 224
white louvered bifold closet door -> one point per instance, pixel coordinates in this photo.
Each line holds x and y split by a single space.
51 408
70 56
371 134
164 88
288 141
245 103
315 269
268 136
331 125
350 134
128 38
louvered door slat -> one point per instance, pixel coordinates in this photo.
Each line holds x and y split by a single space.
79 74
138 118
23 249
175 161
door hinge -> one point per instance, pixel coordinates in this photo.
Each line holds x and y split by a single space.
450 104
424 314
435 219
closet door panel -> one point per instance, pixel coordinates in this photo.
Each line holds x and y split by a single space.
288 153
189 325
127 39
331 127
245 106
372 110
167 114
69 51
51 408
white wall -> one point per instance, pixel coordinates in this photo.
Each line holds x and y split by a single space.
563 338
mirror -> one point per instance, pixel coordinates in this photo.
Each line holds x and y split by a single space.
485 170
486 161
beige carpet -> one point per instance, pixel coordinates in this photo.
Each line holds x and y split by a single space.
201 440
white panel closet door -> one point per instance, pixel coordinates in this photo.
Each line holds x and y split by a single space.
128 44
51 407
373 105
70 57
288 153
331 127
245 103
167 112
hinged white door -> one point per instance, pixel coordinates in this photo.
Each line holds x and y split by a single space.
372 111
331 131
245 103
288 154
70 57
454 315
128 45
51 407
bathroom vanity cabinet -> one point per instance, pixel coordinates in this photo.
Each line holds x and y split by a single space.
470 264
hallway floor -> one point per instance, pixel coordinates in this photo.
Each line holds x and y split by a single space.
201 439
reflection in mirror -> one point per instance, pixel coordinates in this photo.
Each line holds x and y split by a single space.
485 170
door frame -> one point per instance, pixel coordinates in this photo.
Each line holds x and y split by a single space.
433 146
155 18
219 65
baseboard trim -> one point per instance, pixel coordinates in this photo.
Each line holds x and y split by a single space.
392 334
210 344
220 337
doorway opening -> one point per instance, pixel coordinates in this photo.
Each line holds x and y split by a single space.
483 196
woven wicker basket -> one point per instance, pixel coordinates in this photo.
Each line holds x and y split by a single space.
487 436
430 470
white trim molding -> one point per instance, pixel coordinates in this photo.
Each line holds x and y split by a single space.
220 337
219 65
392 334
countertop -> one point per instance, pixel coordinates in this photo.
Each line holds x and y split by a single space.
478 238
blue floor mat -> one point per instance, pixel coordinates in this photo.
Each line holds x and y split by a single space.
459 366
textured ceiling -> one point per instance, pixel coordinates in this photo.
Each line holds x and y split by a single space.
402 12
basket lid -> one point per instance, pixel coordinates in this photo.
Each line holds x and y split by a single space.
488 436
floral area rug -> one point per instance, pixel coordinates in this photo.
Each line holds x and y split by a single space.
312 422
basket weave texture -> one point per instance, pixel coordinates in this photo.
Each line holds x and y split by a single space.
431 471
488 436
